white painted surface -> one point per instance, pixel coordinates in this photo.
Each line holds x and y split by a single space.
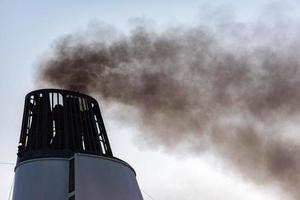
42 179
102 178
95 178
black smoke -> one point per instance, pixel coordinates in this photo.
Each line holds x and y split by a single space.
228 89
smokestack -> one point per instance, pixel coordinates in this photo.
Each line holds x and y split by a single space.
64 152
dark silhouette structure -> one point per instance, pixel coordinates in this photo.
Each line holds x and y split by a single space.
61 123
64 152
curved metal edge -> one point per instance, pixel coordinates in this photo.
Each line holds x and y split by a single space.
39 159
63 91
114 159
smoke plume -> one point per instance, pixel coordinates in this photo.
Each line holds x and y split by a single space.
230 89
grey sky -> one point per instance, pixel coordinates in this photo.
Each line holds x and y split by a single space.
28 30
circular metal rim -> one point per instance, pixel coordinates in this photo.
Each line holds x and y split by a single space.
114 159
63 91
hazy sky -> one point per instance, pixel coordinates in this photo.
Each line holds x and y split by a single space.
29 29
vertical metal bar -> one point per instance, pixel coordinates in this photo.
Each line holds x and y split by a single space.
35 132
95 132
52 114
102 129
44 129
92 134
76 118
70 117
24 128
24 124
73 122
83 123
31 131
88 134
47 127
57 127
80 124
36 120
66 123
52 100
52 121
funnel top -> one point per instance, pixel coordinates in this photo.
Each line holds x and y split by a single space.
59 123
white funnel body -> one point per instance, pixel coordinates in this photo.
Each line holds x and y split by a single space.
91 178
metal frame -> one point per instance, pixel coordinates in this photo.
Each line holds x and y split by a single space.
60 123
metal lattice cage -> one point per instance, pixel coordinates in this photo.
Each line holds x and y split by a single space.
60 123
